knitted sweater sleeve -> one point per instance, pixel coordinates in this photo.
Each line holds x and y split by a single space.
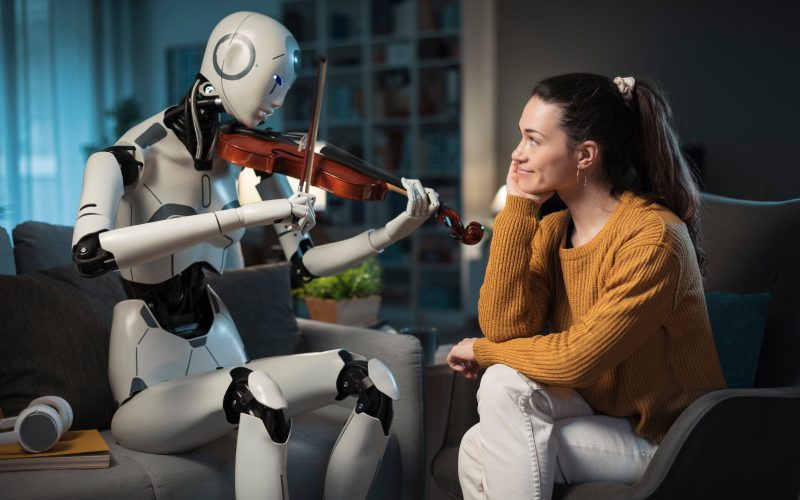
639 294
515 296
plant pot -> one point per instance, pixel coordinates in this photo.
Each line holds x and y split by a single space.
353 312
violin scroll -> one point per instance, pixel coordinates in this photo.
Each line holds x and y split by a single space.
469 235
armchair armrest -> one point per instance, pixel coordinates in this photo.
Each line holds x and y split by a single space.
736 443
403 355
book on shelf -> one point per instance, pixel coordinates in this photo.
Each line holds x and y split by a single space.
76 450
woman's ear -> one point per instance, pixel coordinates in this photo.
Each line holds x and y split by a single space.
588 154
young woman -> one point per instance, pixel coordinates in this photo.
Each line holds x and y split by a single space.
595 323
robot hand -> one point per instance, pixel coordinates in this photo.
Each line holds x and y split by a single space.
422 202
303 210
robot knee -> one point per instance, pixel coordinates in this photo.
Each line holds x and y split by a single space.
256 394
372 382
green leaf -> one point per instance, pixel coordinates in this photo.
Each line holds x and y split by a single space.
360 281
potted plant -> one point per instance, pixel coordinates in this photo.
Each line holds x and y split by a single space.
348 298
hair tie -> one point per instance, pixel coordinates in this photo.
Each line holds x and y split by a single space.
625 86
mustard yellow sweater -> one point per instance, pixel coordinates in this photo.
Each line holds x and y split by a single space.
626 311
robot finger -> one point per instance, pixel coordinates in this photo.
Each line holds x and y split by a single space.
433 198
309 221
416 195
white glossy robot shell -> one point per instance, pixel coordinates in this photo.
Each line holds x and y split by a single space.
252 60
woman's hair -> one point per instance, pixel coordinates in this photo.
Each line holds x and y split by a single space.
640 149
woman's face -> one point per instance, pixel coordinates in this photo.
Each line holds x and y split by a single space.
545 162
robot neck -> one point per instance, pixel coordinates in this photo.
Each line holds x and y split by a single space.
187 118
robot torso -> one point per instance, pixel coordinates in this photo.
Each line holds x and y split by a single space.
170 186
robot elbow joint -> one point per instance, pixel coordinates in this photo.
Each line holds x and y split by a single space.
90 259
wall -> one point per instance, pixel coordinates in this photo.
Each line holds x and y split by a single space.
159 25
730 69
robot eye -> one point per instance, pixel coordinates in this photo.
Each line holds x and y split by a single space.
278 83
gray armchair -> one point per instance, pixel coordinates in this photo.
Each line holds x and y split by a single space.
735 443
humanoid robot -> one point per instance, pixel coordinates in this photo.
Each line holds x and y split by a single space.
162 209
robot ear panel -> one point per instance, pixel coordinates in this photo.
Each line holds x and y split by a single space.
234 56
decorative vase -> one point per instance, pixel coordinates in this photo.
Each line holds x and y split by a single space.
353 312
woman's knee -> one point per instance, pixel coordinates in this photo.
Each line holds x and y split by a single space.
501 382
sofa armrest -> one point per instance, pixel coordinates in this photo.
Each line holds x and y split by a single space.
735 443
403 355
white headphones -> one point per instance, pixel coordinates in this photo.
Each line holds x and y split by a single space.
39 426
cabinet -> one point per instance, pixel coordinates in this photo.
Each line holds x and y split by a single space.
392 97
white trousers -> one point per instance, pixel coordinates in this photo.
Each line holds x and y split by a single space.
531 436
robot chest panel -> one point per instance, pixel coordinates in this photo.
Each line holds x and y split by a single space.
171 187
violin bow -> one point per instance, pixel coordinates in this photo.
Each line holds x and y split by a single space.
313 127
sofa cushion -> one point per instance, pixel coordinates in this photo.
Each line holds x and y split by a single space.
56 324
7 265
55 341
738 322
38 245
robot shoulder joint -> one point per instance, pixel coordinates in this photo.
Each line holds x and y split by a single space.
126 157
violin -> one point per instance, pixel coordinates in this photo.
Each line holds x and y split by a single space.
324 166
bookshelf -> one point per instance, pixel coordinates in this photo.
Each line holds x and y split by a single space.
392 97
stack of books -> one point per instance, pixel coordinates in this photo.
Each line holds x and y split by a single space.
76 450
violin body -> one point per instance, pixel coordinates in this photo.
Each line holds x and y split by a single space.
334 170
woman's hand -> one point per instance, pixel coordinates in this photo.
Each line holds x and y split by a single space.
512 186
461 358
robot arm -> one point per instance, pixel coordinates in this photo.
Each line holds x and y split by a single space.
107 173
336 257
136 245
97 248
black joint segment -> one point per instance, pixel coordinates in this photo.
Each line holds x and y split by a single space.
349 381
202 165
233 395
377 405
137 386
125 156
90 260
239 399
354 379
299 273
199 342
366 383
148 317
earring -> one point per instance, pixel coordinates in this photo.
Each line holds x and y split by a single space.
578 177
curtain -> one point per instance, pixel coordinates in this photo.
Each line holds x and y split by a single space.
63 64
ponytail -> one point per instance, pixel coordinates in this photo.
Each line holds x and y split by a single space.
641 150
664 174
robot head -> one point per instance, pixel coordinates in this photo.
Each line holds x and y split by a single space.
251 60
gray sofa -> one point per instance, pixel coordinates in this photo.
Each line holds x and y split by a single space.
54 340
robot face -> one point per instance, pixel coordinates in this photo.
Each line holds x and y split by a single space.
253 60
